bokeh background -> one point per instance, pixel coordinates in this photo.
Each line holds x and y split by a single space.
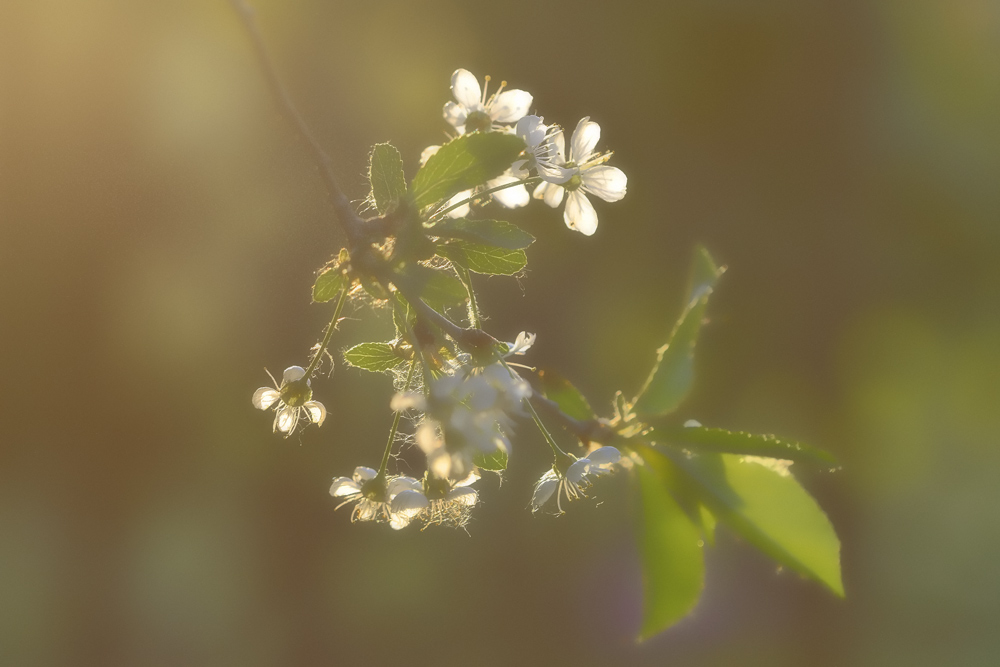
160 223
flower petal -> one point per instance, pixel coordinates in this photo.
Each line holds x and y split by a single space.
344 486
455 114
426 154
531 129
286 419
315 411
462 210
427 438
578 470
292 373
522 343
608 183
465 88
363 474
585 138
580 214
409 503
463 496
439 463
552 194
604 456
397 485
265 397
559 139
510 106
512 197
543 491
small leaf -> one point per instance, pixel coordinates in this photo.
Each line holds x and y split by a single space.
669 382
484 258
761 500
464 163
374 357
673 568
747 444
498 233
328 285
385 173
496 461
567 397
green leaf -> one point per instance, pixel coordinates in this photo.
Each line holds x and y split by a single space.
496 461
374 357
670 548
484 258
328 285
669 382
761 500
498 233
442 288
385 173
464 163
567 397
738 442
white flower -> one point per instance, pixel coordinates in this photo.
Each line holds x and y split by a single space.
590 176
473 111
573 483
541 151
520 345
372 494
515 196
440 502
291 400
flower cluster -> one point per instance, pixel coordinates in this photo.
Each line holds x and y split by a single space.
563 177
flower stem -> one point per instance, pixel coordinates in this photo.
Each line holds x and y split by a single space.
463 274
556 451
329 333
395 423
479 195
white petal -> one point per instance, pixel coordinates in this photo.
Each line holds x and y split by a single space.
426 154
315 411
363 474
510 106
265 397
407 400
554 173
292 373
465 88
408 503
397 485
463 496
427 439
462 210
523 343
608 183
604 456
512 197
553 194
286 419
585 138
580 214
344 486
398 522
577 471
455 114
559 139
543 491
439 463
531 129
470 479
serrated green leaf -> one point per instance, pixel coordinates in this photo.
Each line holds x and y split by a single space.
569 399
374 357
761 500
496 461
670 381
483 258
385 173
499 233
670 548
438 287
328 285
464 163
748 444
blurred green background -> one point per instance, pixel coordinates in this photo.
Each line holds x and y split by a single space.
159 225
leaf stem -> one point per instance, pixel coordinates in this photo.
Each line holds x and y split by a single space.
479 195
395 423
466 278
329 333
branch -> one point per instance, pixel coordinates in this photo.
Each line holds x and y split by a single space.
356 229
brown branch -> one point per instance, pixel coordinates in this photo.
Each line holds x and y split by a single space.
590 430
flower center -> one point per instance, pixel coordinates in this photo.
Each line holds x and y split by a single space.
574 182
478 121
296 393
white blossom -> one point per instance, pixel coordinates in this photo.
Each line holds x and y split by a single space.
373 496
440 502
291 401
521 344
541 151
590 176
473 111
573 483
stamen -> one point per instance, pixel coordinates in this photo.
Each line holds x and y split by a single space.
486 86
